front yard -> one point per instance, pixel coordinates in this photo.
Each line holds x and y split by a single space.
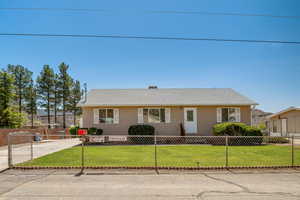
170 155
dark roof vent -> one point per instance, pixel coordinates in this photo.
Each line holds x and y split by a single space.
152 87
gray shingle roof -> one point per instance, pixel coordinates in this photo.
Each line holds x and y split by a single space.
158 97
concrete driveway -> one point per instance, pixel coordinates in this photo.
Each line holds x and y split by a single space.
22 152
108 185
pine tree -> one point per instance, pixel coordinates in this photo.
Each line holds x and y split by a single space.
22 77
57 97
75 97
6 96
45 89
65 82
31 106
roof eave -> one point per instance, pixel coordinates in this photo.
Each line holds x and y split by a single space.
125 105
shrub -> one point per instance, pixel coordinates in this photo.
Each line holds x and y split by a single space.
92 131
73 130
238 129
141 130
10 118
229 128
99 131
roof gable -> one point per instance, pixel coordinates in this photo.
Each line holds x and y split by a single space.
283 111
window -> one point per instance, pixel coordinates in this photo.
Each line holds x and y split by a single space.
229 115
190 115
106 116
154 115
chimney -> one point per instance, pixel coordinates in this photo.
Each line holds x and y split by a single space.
151 87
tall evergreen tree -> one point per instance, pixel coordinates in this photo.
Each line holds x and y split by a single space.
75 97
31 106
45 89
22 77
65 82
6 96
57 97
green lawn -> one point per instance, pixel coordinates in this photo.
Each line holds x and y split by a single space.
171 155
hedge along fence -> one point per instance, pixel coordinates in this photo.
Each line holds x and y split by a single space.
142 129
238 129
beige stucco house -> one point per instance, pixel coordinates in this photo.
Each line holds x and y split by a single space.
285 122
198 110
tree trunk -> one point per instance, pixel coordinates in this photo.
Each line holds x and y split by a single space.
74 117
20 94
31 119
64 113
48 110
20 103
55 110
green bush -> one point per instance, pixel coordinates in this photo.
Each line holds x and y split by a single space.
235 129
141 130
238 129
99 131
229 128
73 130
92 131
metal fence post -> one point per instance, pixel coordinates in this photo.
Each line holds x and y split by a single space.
31 149
226 151
9 151
293 151
82 153
155 153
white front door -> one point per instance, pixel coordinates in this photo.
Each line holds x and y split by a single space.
283 127
190 120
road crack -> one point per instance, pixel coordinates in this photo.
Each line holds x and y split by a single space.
243 190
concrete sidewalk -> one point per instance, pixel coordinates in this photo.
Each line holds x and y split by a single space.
22 152
211 185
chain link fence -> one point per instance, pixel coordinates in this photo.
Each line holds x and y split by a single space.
153 152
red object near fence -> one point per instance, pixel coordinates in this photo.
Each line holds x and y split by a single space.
81 132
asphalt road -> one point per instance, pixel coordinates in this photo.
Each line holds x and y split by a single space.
130 185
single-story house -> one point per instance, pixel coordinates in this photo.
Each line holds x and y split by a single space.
195 109
285 122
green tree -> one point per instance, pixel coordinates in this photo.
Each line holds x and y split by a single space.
9 116
6 96
57 97
75 97
45 89
31 106
65 82
22 77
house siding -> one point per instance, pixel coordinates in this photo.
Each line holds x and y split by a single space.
293 122
206 116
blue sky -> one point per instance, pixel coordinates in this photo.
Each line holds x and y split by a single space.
267 73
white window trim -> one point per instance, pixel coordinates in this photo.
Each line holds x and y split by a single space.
157 108
235 113
106 115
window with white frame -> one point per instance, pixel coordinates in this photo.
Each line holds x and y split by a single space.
106 116
154 115
230 115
